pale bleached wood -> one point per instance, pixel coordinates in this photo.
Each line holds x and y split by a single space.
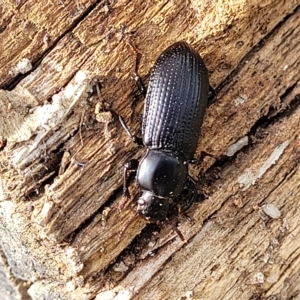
11 288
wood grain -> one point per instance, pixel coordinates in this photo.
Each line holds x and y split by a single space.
61 169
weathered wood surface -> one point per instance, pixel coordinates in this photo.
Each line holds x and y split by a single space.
60 221
11 288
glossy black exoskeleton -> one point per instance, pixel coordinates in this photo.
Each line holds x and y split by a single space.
175 104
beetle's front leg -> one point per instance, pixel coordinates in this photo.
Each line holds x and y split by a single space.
132 165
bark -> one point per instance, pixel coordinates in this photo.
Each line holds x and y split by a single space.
62 150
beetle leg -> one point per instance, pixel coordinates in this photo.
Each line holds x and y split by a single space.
129 166
175 228
185 200
138 80
203 154
212 96
183 214
194 161
188 196
139 83
137 140
189 218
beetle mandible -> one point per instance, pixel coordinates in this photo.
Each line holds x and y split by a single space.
175 103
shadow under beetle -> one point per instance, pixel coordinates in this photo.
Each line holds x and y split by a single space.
175 103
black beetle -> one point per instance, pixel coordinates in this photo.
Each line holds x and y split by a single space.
176 100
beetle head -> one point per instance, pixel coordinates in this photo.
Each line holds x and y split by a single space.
152 208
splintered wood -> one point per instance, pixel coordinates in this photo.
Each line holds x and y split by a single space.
62 150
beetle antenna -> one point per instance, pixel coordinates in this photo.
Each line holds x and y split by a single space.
127 224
